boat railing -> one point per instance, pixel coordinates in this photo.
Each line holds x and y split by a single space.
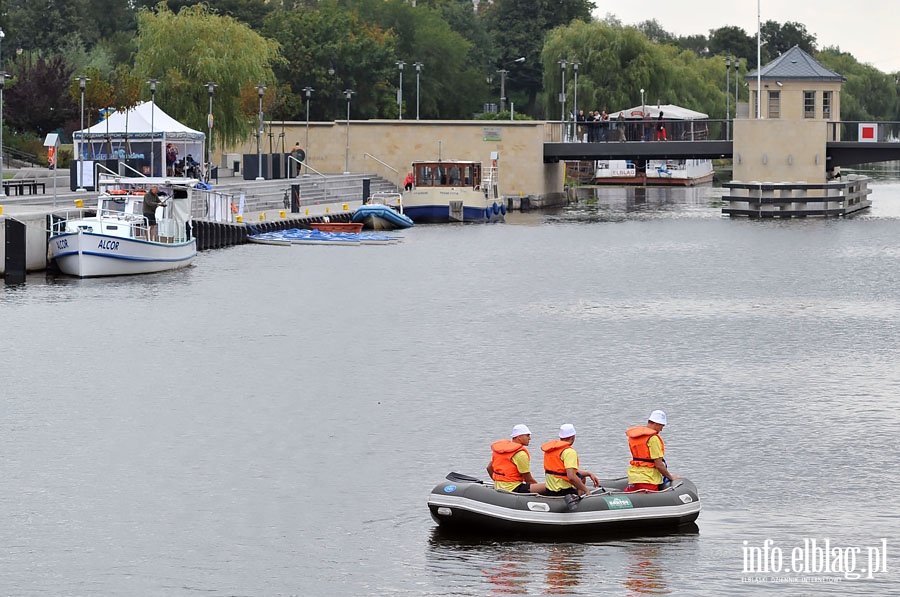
386 165
391 199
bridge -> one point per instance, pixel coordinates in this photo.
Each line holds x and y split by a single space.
849 152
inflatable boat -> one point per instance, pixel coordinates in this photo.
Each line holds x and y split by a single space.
467 504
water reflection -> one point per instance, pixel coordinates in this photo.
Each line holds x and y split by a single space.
564 568
644 575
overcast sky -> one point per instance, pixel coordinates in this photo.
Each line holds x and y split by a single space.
868 29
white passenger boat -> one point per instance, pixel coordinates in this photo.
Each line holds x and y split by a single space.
113 239
454 191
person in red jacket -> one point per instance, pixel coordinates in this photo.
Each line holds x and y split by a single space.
409 181
510 465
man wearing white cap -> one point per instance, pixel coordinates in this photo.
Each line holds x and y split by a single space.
647 469
510 465
561 465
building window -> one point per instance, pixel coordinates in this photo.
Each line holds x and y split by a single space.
774 104
809 104
826 105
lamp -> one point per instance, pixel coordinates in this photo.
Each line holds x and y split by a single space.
503 72
727 97
348 93
575 97
2 85
210 89
308 92
418 66
82 83
400 65
562 93
153 83
260 90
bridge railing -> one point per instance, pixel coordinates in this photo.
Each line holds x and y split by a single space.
635 130
855 130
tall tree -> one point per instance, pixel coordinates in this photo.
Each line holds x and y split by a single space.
781 38
186 50
732 41
37 101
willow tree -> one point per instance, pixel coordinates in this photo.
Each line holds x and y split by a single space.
186 50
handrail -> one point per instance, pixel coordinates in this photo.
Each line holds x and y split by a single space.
308 168
388 166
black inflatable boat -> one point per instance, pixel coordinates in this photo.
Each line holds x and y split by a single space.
467 504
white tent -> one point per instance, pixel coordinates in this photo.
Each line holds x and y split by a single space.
132 135
670 112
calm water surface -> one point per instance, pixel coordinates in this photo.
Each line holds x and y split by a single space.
271 421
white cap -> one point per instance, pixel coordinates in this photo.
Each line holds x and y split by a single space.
658 416
520 429
567 430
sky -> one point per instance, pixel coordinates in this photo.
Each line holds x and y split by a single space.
865 28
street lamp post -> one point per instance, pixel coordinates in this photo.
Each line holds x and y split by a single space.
210 89
737 69
503 72
575 96
562 93
418 66
2 85
400 65
643 127
308 91
153 83
260 90
727 97
348 93
82 82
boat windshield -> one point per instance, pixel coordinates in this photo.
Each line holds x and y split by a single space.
442 174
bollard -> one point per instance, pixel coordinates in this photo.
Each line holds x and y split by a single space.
346 207
282 214
327 209
262 216
239 219
79 203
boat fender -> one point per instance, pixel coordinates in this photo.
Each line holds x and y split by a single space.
496 208
503 209
487 213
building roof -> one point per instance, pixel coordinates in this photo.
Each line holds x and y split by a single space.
795 65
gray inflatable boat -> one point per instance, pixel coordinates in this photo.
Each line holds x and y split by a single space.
467 504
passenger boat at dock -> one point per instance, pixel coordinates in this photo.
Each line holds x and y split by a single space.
468 505
113 239
454 191
640 124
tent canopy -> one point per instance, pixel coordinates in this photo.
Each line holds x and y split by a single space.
142 122
670 112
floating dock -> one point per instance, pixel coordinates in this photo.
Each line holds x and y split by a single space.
797 199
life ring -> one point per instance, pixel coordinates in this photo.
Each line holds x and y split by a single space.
496 208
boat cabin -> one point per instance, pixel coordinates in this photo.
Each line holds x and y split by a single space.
447 174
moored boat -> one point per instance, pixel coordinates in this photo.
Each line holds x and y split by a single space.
467 504
336 226
454 191
114 239
383 211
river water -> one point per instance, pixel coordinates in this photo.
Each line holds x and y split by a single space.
271 420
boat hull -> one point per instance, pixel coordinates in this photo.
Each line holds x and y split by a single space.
444 205
478 508
89 255
381 217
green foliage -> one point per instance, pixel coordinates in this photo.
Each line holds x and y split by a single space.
732 41
617 62
868 94
779 38
35 101
186 50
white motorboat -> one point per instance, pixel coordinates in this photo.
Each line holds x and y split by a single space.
454 191
114 238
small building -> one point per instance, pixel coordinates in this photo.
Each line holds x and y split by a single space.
780 165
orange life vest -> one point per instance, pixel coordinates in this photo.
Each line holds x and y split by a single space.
501 460
553 462
637 443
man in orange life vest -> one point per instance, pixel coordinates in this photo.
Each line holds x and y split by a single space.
510 465
561 465
648 464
